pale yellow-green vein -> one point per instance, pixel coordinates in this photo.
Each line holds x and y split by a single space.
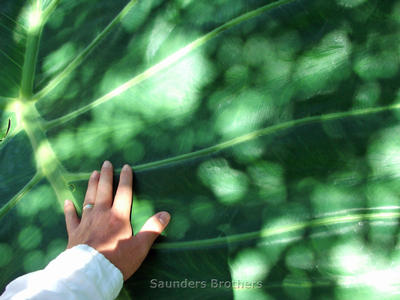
14 200
248 137
163 64
84 54
276 231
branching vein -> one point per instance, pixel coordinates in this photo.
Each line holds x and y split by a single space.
163 64
84 54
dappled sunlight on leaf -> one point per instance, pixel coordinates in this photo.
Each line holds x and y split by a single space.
30 237
350 3
245 113
159 34
249 152
383 194
5 254
256 294
54 248
383 236
204 208
300 257
268 131
33 261
367 95
250 265
378 279
58 59
269 179
179 227
228 185
371 64
40 201
350 257
327 198
142 209
384 152
324 66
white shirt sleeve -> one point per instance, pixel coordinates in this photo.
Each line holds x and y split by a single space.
77 273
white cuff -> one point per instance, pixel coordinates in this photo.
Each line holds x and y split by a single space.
76 274
83 266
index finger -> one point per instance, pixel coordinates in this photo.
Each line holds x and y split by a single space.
123 197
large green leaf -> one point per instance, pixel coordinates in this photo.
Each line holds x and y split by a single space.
268 129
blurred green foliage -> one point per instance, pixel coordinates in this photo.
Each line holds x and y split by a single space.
268 129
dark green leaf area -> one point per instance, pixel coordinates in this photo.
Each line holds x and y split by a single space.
31 234
17 165
268 130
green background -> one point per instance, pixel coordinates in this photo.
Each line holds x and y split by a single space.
268 129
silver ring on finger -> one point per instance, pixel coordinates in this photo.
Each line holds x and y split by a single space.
88 206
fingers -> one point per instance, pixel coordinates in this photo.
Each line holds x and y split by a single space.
90 196
71 218
123 198
151 230
104 188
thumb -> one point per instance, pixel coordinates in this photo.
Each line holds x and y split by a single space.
151 230
71 218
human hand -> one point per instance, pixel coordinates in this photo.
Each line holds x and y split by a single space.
106 226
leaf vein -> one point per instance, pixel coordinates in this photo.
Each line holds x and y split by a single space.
249 136
163 64
84 54
17 197
276 231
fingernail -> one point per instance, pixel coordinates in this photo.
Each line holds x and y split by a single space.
106 164
66 202
95 174
125 167
164 217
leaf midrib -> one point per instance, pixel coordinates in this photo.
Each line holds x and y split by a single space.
47 164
